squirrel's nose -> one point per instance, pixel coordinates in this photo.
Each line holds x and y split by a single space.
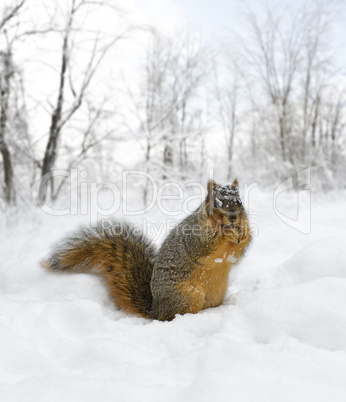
233 218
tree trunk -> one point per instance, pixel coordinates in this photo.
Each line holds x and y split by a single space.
54 131
8 174
314 124
167 157
282 137
4 149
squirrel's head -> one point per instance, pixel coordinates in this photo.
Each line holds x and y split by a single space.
225 209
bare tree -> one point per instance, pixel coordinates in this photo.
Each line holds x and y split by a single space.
189 67
65 108
227 99
7 71
287 70
276 56
316 71
176 69
10 12
165 105
332 125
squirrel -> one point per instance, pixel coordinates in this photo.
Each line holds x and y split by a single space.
187 274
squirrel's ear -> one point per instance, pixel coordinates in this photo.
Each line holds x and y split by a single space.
210 196
235 183
210 188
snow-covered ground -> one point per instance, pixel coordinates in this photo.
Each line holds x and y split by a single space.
280 335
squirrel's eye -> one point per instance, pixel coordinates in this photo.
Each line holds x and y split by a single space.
217 203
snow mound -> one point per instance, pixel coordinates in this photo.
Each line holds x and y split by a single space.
322 258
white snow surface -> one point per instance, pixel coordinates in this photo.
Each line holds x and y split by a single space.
279 336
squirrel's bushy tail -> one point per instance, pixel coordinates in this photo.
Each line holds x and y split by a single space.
120 253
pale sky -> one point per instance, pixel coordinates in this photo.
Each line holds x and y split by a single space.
211 17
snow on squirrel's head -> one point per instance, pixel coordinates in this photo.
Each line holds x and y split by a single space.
224 206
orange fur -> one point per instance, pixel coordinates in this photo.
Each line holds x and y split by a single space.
208 284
